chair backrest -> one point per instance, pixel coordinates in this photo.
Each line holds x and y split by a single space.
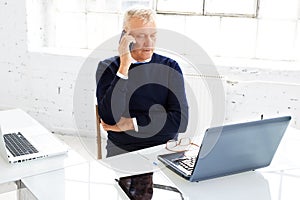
99 146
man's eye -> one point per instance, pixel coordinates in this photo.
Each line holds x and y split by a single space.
153 36
141 36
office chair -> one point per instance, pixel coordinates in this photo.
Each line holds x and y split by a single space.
99 146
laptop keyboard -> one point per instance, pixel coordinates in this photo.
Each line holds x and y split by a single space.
188 163
18 145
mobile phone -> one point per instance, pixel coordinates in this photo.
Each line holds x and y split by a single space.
130 45
148 186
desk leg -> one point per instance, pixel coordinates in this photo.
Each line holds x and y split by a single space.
23 193
8 190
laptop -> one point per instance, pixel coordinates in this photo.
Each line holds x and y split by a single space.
29 143
230 149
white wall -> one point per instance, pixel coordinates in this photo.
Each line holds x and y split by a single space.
43 83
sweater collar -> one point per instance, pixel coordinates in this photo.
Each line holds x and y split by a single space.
145 61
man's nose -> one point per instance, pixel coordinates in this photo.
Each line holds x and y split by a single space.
148 41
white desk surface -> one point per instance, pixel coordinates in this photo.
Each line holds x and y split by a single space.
95 180
17 120
15 172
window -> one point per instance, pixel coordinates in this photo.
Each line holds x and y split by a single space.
75 24
83 24
177 6
115 6
231 7
247 8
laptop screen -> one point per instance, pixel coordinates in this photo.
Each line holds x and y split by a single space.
239 147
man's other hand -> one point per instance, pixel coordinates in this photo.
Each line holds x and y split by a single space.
125 124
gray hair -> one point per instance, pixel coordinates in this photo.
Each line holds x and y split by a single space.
145 14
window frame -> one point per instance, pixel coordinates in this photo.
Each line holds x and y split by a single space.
158 11
203 13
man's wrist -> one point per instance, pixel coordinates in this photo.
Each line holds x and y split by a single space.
122 76
135 125
123 68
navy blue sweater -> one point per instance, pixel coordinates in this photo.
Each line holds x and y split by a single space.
154 94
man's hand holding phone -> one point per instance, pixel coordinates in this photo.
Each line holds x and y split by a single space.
126 43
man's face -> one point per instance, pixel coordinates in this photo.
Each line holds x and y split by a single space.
145 36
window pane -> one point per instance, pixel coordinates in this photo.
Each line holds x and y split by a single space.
115 6
129 3
230 7
103 5
179 6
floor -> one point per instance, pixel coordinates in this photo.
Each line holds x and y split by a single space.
85 146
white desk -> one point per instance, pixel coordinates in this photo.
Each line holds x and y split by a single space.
16 119
95 180
15 172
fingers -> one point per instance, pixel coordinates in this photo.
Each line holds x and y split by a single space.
124 124
124 44
105 126
108 127
125 55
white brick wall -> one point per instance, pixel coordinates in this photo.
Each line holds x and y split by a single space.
249 100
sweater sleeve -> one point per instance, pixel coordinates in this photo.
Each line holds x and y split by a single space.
111 93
